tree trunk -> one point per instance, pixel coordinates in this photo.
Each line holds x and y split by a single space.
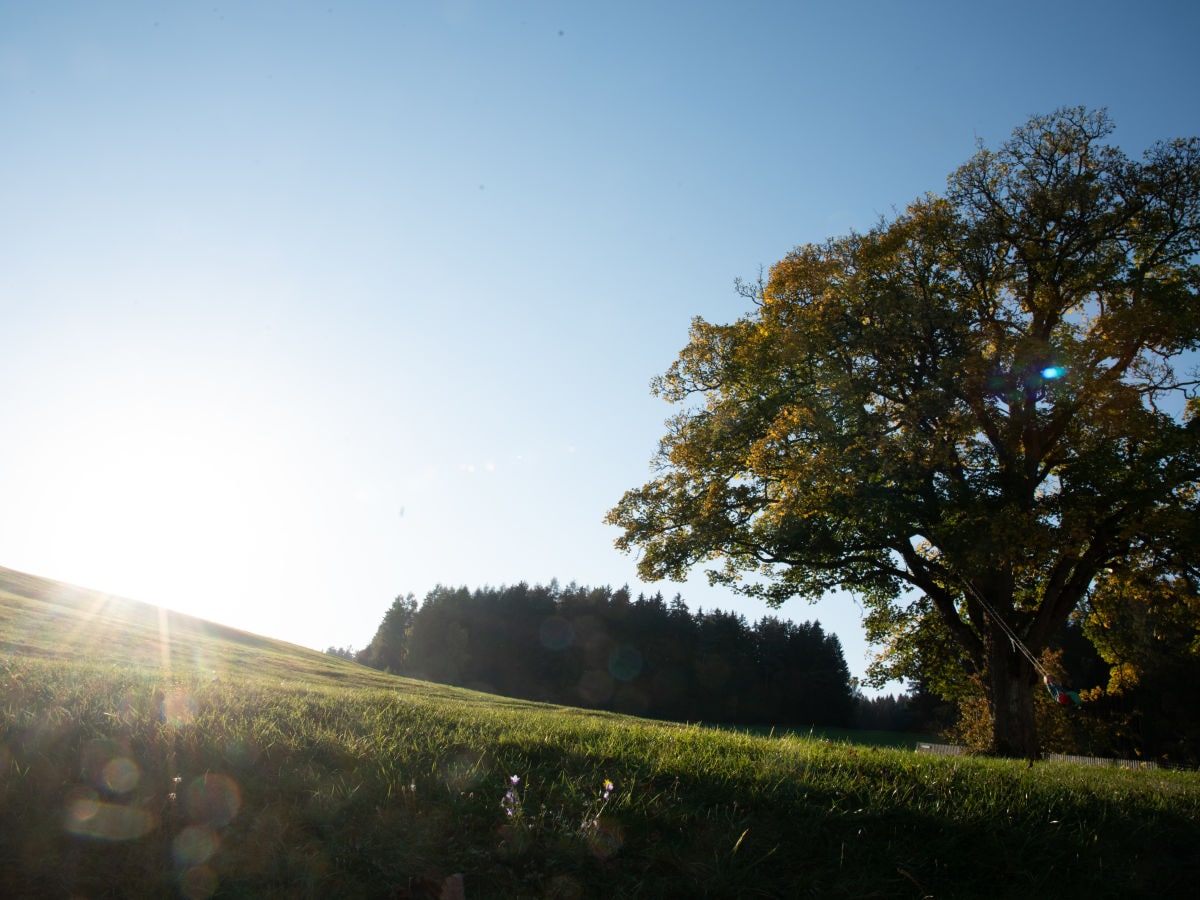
1011 681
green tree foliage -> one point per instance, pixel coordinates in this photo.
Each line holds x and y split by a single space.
1148 630
388 650
601 649
963 416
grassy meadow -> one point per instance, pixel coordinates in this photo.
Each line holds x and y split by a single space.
145 753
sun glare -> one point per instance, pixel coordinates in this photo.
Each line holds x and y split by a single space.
136 505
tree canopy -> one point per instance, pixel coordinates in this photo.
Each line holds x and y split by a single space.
964 416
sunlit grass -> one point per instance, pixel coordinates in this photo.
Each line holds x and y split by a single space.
223 764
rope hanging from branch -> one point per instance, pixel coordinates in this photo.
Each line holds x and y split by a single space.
1061 695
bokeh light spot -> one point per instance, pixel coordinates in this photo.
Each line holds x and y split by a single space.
604 838
596 687
88 816
121 775
556 633
625 663
195 845
242 752
179 708
212 800
198 883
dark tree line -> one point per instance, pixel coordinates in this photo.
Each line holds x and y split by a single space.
602 649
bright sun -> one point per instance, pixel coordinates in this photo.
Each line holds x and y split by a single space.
141 498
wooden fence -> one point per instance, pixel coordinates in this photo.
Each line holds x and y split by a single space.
953 750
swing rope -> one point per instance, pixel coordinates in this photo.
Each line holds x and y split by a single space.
1060 694
1017 643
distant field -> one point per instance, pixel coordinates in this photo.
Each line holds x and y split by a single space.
145 753
898 739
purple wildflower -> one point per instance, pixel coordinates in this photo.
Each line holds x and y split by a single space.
509 803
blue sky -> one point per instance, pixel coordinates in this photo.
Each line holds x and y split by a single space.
307 305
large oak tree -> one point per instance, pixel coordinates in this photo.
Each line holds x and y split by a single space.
964 416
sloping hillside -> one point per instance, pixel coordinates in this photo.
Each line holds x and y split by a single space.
54 620
144 753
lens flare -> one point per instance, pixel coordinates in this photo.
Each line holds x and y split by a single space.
88 816
198 883
212 800
195 845
120 775
178 709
